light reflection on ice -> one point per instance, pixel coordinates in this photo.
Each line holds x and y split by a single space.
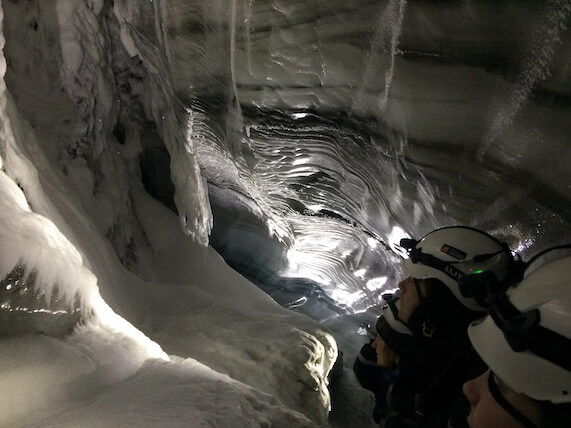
315 208
301 265
394 238
376 283
524 245
346 297
33 311
372 243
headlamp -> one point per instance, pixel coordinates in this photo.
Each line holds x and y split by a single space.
480 286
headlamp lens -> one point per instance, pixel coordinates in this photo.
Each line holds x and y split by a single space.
408 243
481 286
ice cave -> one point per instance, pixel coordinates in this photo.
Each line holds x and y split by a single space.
202 200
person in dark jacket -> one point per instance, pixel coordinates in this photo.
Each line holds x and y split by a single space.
526 343
377 365
427 392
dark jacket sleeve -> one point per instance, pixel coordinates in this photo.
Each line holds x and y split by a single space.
400 409
443 402
373 378
366 370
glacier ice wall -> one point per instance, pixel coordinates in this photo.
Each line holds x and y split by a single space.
343 126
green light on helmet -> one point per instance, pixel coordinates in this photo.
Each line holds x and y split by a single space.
478 271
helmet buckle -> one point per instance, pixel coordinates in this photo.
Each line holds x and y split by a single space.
427 330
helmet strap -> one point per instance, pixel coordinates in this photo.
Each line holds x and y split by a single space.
506 405
421 297
523 332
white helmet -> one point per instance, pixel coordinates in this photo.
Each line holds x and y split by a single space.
452 253
390 313
526 339
393 331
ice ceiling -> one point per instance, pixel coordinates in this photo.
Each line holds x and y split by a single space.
302 139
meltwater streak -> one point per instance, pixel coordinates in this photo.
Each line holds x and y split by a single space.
382 54
392 20
533 68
